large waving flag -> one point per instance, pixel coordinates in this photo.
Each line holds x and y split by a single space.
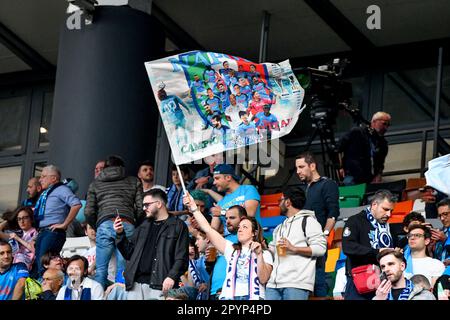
212 102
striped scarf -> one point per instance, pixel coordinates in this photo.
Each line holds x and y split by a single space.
405 293
85 294
229 285
39 208
381 237
196 277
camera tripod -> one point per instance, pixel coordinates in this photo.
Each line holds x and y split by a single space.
328 146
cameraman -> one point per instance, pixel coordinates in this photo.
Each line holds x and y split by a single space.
364 151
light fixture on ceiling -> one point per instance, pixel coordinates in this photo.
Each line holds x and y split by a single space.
43 130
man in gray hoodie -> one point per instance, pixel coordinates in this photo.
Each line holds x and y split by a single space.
296 244
112 194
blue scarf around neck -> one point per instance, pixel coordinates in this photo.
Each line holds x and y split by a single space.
405 293
39 208
381 237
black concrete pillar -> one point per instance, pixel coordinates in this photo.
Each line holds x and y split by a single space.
103 102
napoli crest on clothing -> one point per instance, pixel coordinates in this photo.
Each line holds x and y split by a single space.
202 98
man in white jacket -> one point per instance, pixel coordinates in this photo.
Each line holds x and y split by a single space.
300 240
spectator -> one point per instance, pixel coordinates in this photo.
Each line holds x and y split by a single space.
34 190
233 217
365 235
175 193
249 264
12 275
410 219
421 289
8 226
202 202
146 174
80 287
204 178
99 166
52 281
364 151
157 253
418 262
55 209
111 194
51 260
25 253
395 286
322 197
244 195
197 268
300 236
90 253
442 250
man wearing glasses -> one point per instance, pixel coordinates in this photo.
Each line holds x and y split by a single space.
157 252
364 151
418 262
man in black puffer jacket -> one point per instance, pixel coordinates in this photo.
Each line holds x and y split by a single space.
112 193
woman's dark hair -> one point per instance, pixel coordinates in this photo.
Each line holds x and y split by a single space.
28 210
47 257
192 244
257 231
412 216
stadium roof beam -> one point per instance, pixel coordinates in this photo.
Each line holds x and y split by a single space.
23 51
340 24
174 32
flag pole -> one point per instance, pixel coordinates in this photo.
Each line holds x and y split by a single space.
181 179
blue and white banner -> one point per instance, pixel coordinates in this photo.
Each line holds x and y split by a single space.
212 102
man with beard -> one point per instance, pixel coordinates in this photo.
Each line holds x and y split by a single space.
158 251
365 235
146 174
299 240
395 286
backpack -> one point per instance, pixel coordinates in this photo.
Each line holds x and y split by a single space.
32 289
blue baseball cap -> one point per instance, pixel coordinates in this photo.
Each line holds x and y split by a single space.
226 169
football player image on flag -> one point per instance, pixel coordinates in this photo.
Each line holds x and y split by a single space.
212 102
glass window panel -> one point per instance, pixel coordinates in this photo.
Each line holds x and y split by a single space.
37 169
9 187
46 120
12 114
409 96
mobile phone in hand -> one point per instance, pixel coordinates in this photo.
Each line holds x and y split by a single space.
383 276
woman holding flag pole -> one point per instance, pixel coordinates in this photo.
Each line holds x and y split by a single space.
249 264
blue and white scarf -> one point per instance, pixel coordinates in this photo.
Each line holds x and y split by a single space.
175 198
408 258
85 294
405 293
196 277
39 208
229 285
381 236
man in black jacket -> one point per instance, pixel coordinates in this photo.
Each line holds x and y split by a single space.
364 151
111 194
365 235
157 253
322 197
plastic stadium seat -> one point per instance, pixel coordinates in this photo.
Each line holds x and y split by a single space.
332 258
349 202
345 213
73 246
401 209
80 215
269 211
355 191
396 187
270 223
270 199
419 206
330 239
415 183
337 236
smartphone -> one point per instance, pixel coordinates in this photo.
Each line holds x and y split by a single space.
117 212
383 276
